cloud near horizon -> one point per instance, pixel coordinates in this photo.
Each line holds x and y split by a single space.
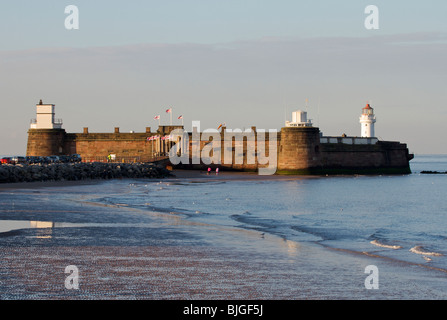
242 83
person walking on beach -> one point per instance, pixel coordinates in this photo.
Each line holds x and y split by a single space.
209 170
217 171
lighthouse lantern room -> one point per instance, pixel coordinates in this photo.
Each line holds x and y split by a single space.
367 120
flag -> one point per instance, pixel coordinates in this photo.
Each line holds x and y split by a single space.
181 117
169 110
157 117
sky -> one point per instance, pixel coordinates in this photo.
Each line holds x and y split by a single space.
242 62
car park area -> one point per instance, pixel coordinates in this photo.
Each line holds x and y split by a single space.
74 158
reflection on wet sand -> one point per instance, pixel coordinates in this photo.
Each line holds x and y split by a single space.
46 226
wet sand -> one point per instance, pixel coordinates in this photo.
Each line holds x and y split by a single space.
235 175
176 174
45 184
167 273
156 273
164 257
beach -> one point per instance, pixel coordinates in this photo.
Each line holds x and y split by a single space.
127 246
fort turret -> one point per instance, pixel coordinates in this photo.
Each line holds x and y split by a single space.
299 146
45 135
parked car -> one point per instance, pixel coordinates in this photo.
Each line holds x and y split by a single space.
75 158
18 160
5 160
64 159
54 159
33 160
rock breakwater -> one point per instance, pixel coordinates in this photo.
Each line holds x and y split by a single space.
79 171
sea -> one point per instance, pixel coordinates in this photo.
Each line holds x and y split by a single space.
304 237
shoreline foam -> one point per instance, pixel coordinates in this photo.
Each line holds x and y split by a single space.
421 250
377 243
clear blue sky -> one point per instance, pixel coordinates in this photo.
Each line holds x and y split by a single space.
243 62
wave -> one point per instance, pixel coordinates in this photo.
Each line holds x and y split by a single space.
377 243
421 250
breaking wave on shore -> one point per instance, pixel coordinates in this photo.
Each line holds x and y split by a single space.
377 243
423 251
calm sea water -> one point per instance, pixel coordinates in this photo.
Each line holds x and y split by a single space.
401 212
401 220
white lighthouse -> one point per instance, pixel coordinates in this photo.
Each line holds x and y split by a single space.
367 120
45 117
299 119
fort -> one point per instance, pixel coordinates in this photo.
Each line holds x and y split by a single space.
298 148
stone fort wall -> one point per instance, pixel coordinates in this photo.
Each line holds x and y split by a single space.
299 150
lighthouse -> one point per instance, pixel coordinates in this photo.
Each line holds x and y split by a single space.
367 120
45 117
299 119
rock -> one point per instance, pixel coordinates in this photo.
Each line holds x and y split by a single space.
79 171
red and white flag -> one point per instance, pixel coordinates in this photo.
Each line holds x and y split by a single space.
181 117
169 110
157 117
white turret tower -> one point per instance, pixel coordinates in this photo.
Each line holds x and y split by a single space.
299 119
367 120
45 117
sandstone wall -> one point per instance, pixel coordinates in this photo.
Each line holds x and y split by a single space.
299 150
45 142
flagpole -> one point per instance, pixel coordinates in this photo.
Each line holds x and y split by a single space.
171 116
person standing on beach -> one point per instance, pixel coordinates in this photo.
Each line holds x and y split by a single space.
217 171
209 170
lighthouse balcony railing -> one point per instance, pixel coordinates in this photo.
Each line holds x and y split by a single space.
298 124
57 123
33 124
